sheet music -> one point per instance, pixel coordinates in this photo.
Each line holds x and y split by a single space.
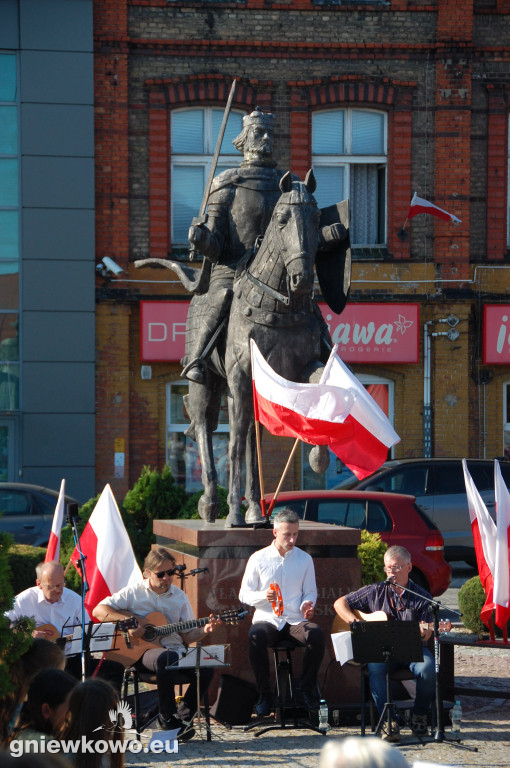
210 656
342 645
101 638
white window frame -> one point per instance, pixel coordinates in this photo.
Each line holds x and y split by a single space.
204 161
346 159
180 428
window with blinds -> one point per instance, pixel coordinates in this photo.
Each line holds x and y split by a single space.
349 156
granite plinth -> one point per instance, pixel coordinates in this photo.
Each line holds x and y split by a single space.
225 551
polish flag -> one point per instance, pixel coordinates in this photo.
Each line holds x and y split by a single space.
338 411
502 558
110 562
420 205
53 548
484 535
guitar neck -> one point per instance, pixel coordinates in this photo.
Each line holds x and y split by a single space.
182 626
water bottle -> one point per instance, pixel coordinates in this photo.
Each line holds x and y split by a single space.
323 716
456 716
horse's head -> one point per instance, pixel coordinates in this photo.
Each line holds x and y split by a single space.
296 221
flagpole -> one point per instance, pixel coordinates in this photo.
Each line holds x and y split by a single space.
261 475
284 473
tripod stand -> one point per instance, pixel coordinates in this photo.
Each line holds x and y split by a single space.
386 642
439 734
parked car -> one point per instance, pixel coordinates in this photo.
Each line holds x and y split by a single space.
26 512
395 517
438 485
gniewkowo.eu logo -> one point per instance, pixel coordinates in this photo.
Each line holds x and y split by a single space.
120 717
83 746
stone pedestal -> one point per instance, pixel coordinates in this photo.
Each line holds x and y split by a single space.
225 553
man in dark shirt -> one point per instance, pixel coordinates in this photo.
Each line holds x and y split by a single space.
398 605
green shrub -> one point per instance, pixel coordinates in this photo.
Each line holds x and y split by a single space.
190 508
12 644
154 496
22 561
471 599
371 553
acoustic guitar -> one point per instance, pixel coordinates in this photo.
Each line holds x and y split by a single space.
128 648
340 625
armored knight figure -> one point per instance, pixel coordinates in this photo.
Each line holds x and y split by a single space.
239 209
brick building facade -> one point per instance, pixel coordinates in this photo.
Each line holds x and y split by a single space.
436 75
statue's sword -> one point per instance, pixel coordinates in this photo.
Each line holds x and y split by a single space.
202 216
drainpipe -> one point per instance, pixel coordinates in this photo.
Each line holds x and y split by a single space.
427 410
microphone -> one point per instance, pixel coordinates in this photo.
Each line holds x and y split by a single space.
390 580
199 570
179 569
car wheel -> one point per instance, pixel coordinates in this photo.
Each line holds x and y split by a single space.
419 578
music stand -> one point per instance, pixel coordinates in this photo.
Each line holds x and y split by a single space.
386 642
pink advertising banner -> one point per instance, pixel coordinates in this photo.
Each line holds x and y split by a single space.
496 334
375 333
365 333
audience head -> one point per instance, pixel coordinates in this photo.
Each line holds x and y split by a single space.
91 707
48 701
357 752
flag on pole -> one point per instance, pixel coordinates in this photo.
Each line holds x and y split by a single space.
484 535
502 557
110 562
420 205
337 412
53 548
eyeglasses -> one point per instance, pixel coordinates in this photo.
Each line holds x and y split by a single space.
394 568
160 574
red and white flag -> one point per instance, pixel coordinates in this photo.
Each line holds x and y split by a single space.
53 548
420 205
502 557
110 562
484 535
337 412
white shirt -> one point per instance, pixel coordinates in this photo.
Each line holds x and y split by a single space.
63 615
295 575
142 600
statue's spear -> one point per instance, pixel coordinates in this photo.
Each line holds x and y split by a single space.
202 216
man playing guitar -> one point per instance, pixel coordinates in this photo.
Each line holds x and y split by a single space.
156 593
398 605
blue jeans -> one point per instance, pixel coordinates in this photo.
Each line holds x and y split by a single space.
424 673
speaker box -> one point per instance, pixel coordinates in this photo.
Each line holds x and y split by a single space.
235 701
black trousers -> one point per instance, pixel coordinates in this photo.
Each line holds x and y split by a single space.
161 662
263 635
112 671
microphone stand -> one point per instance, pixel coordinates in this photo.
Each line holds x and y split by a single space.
436 605
72 519
179 570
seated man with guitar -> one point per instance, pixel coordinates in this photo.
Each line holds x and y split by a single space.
279 581
56 610
174 624
395 604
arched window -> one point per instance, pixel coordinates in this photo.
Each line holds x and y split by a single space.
349 156
194 133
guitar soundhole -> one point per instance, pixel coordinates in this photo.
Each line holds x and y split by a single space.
149 634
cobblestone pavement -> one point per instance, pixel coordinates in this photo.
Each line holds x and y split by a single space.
485 727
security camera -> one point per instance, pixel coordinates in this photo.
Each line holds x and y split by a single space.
109 265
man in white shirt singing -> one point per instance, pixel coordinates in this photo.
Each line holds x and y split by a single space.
291 570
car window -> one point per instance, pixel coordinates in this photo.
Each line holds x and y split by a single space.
483 476
505 471
297 505
449 478
14 504
348 512
412 480
378 518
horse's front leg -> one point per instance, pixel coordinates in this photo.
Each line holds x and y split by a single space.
240 412
319 455
197 402
252 492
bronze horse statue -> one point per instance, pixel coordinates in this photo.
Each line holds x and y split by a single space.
273 304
